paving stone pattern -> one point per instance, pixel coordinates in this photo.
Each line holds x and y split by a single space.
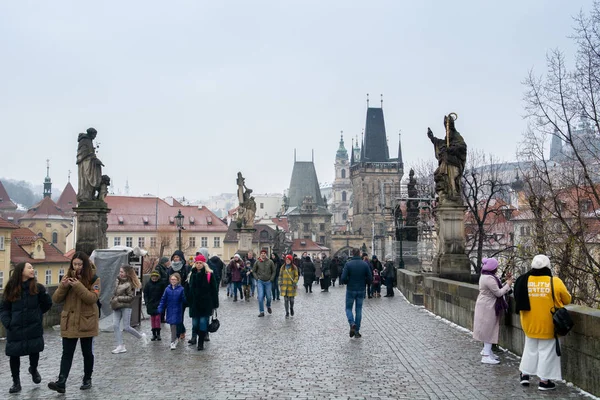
405 353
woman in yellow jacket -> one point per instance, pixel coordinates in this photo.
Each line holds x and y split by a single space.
533 296
288 280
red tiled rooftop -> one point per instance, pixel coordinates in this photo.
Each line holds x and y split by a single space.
45 209
308 245
23 237
139 214
67 199
5 201
7 225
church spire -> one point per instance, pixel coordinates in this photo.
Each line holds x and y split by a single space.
342 153
48 181
400 161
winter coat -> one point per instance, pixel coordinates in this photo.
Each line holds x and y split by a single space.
357 274
163 271
184 271
288 280
79 317
172 300
389 272
153 292
318 270
309 271
277 263
23 321
377 265
201 294
326 267
123 295
264 270
235 268
334 268
486 324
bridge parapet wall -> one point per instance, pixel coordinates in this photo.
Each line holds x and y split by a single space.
455 301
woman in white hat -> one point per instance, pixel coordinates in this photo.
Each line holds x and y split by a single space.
533 296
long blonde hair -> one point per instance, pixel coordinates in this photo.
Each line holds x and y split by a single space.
132 276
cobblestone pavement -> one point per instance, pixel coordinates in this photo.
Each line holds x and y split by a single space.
405 353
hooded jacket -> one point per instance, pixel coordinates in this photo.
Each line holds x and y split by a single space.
79 317
202 294
180 267
153 292
23 321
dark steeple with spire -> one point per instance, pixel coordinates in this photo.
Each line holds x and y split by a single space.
400 161
304 183
374 147
47 181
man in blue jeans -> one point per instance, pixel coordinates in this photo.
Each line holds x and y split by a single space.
264 273
357 274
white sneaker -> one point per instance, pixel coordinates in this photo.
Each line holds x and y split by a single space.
489 360
494 356
174 345
144 339
119 349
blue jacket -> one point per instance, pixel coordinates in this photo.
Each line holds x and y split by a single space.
172 300
357 274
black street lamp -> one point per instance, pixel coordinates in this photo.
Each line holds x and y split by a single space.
400 236
179 221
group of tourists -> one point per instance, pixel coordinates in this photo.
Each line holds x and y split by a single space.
536 293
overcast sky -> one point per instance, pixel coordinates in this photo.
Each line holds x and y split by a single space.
186 93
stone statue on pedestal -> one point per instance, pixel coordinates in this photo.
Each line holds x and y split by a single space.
451 261
92 185
247 209
451 153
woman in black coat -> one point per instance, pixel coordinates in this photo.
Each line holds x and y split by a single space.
309 273
153 291
24 303
202 298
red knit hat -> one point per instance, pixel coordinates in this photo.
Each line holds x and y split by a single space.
289 257
200 257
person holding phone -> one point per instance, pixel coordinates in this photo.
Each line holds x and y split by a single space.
78 291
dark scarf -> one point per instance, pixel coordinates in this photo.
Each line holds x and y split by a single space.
501 304
521 289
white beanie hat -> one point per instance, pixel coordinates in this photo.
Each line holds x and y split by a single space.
236 255
540 261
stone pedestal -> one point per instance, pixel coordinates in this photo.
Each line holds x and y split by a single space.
92 222
451 260
245 240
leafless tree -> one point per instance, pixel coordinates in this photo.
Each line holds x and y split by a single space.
484 192
563 193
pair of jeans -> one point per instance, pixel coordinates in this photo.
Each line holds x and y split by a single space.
264 288
237 287
275 289
15 364
252 286
87 350
354 297
123 314
199 324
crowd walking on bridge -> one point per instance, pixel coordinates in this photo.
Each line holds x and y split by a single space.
174 286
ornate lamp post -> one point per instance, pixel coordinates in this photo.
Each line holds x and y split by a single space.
179 221
400 236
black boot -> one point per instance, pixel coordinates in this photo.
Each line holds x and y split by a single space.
35 375
60 385
87 383
201 340
158 334
192 341
153 335
16 387
206 338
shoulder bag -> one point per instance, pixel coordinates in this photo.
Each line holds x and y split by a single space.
214 323
561 319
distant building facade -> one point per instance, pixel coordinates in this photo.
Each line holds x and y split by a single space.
341 193
307 213
376 185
